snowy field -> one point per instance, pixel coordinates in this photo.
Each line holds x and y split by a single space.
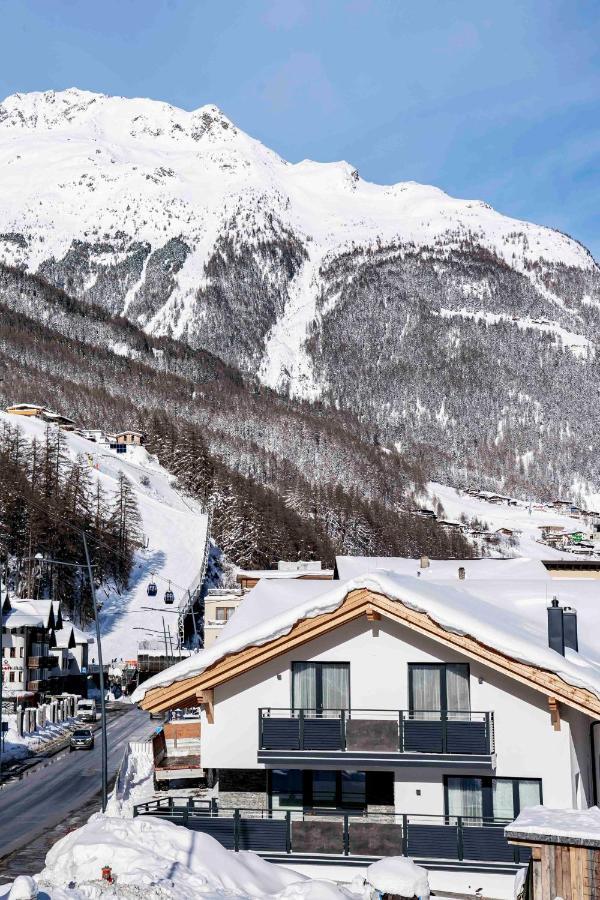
174 528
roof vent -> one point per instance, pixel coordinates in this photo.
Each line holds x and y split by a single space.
461 573
424 562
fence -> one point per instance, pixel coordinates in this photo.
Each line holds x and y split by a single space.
457 839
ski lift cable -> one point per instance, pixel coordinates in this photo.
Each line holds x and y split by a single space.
58 518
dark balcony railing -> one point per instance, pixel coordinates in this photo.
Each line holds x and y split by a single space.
41 662
328 832
377 731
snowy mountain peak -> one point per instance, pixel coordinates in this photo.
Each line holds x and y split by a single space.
74 109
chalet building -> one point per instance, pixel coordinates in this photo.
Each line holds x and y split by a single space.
54 418
28 628
404 709
25 409
300 569
219 606
129 437
70 652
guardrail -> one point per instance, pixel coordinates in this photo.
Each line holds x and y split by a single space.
376 730
342 834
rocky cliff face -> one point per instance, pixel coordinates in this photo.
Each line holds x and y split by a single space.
438 322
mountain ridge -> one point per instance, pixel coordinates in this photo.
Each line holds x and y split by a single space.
395 302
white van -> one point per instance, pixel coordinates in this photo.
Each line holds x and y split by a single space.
86 710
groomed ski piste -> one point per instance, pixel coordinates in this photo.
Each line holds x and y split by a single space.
174 529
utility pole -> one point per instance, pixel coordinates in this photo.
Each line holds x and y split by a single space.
102 700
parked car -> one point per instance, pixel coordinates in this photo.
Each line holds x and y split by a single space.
82 739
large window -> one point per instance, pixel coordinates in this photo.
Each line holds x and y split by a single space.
491 798
297 789
438 687
322 688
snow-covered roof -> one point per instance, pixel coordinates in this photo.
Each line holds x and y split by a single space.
269 574
505 613
445 569
540 824
39 609
64 637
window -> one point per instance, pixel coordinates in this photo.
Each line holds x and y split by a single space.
296 789
287 789
491 798
224 613
11 676
321 687
438 687
13 652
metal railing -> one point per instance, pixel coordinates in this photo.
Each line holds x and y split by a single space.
344 833
376 730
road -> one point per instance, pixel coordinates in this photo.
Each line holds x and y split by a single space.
65 783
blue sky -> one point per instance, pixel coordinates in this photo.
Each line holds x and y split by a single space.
487 99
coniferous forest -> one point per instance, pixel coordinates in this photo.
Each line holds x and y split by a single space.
46 501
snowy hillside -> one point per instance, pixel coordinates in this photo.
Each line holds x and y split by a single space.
174 529
436 321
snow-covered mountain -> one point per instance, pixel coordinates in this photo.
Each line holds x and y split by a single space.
397 302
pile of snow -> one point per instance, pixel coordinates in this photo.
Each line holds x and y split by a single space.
135 781
20 746
153 858
174 528
399 876
477 607
576 826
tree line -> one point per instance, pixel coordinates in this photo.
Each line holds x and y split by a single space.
47 500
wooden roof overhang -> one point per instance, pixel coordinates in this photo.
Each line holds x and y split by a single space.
198 689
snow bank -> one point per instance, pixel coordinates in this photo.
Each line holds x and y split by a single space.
480 612
135 781
159 859
399 875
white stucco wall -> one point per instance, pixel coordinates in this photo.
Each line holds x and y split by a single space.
526 743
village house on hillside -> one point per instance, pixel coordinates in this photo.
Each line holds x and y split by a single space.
408 708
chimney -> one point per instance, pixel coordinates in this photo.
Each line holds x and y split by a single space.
461 573
556 633
570 628
424 562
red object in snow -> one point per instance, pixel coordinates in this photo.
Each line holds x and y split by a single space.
107 874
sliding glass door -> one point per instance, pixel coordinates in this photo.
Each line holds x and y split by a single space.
434 688
491 798
321 688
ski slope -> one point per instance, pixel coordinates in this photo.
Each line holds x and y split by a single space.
174 529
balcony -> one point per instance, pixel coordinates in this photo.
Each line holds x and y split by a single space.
375 738
343 837
42 662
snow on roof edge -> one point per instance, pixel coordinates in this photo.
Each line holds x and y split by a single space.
453 608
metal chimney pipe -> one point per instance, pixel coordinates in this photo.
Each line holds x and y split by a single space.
556 632
570 628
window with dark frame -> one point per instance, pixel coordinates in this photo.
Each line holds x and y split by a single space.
489 799
435 688
321 687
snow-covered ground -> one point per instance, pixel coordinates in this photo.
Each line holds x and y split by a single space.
523 517
153 858
18 746
174 528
